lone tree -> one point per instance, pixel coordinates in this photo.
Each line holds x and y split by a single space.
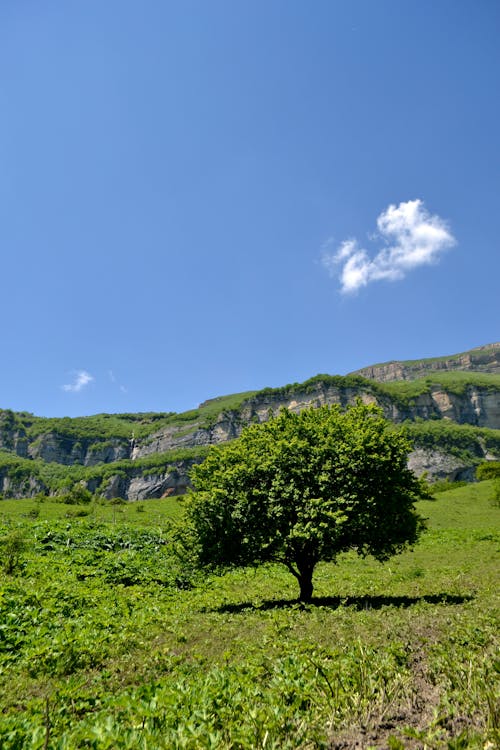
305 487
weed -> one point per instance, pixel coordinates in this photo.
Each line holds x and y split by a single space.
12 546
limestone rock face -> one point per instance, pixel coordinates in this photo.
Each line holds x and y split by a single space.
61 449
116 487
106 452
477 405
158 485
17 487
481 359
173 481
14 441
439 465
12 435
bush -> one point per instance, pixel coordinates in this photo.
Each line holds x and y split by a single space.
12 547
496 493
77 513
488 470
117 501
78 495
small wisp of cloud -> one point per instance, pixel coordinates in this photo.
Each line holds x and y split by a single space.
410 237
82 378
112 377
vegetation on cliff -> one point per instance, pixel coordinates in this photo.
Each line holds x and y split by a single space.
128 445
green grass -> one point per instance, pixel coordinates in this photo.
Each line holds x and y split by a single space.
453 381
403 392
108 640
102 427
146 514
462 440
447 358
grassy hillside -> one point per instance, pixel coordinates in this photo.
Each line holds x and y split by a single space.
107 640
463 441
479 352
101 427
402 391
482 351
483 358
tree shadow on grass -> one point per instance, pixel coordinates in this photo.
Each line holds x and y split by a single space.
357 602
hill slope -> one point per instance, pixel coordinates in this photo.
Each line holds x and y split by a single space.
481 359
452 415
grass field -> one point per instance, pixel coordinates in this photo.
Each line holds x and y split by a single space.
108 640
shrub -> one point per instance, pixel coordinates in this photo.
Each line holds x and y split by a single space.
12 547
496 493
488 470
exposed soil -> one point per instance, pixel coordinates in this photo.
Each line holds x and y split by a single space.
418 715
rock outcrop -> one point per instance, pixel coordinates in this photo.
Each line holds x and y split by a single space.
440 465
477 406
481 359
173 481
62 449
125 465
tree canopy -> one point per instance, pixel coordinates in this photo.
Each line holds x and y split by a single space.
302 488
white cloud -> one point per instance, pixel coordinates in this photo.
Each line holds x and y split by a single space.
82 378
412 237
114 380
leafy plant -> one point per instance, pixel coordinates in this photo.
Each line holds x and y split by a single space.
488 470
12 547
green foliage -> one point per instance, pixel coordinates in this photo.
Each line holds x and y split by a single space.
461 440
496 492
77 495
56 477
107 642
12 546
302 488
488 470
101 428
403 392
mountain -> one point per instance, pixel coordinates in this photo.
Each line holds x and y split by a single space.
481 359
448 406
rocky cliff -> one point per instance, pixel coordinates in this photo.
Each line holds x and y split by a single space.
481 359
477 405
140 456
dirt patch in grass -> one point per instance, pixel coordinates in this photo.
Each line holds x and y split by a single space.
394 730
418 725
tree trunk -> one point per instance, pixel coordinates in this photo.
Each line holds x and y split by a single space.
303 570
306 586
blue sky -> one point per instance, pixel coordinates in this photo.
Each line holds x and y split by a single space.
199 198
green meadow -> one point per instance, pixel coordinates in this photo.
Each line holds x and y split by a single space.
110 639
